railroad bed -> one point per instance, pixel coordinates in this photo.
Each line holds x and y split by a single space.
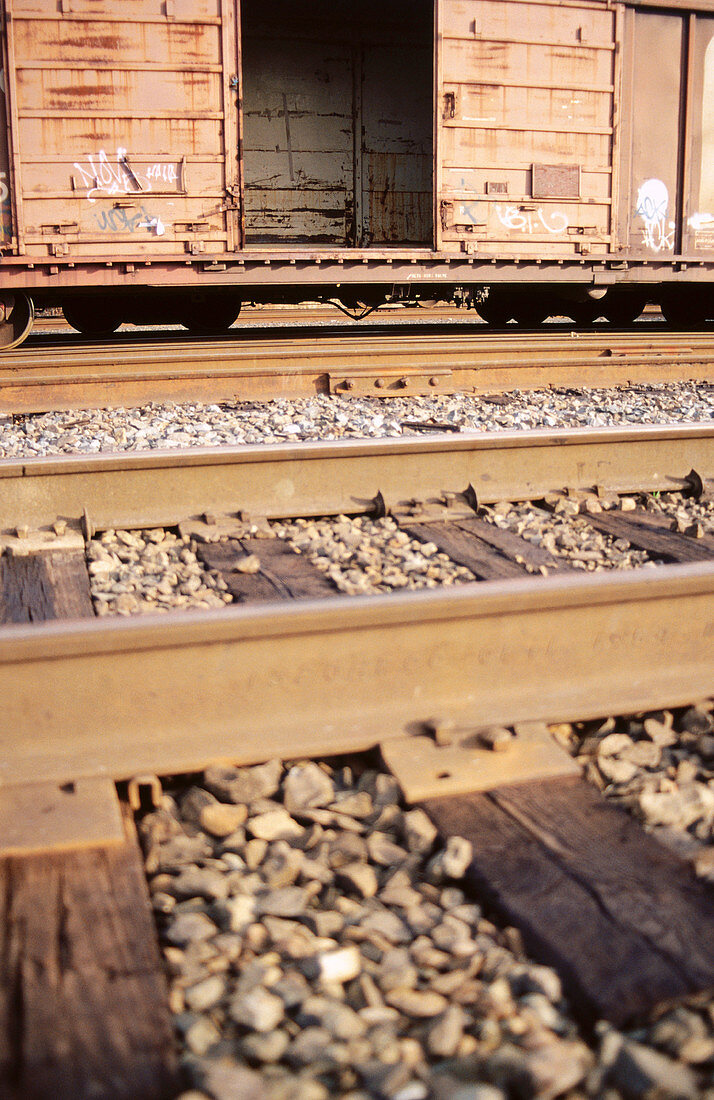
267 879
379 362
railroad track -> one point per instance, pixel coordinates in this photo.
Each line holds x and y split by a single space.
399 360
435 678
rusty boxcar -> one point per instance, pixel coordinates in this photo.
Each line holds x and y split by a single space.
168 159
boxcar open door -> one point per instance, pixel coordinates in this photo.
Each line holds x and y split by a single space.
338 124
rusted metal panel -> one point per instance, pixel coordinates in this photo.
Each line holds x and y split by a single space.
653 97
698 228
667 193
5 206
124 119
521 87
338 124
396 147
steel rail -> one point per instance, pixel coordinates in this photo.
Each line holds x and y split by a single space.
361 362
141 489
168 694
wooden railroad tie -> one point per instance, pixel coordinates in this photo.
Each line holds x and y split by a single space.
83 999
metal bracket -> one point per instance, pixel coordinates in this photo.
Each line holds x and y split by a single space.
449 506
215 527
477 759
369 383
42 817
27 540
143 789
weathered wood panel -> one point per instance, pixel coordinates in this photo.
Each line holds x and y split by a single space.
622 919
83 1005
463 547
283 574
652 537
46 585
487 550
82 999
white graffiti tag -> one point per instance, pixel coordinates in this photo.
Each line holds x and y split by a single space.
701 223
525 221
102 176
652 203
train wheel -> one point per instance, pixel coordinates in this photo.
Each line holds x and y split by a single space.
623 309
209 318
582 313
683 311
495 311
530 312
91 316
19 312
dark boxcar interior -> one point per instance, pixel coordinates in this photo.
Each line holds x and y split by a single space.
338 122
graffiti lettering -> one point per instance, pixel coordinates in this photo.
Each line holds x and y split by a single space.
102 176
471 211
121 221
4 189
526 221
165 172
652 204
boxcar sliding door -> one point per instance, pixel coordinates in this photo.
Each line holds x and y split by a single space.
524 109
654 47
698 182
124 125
667 165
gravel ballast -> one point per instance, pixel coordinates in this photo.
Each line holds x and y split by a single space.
327 417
